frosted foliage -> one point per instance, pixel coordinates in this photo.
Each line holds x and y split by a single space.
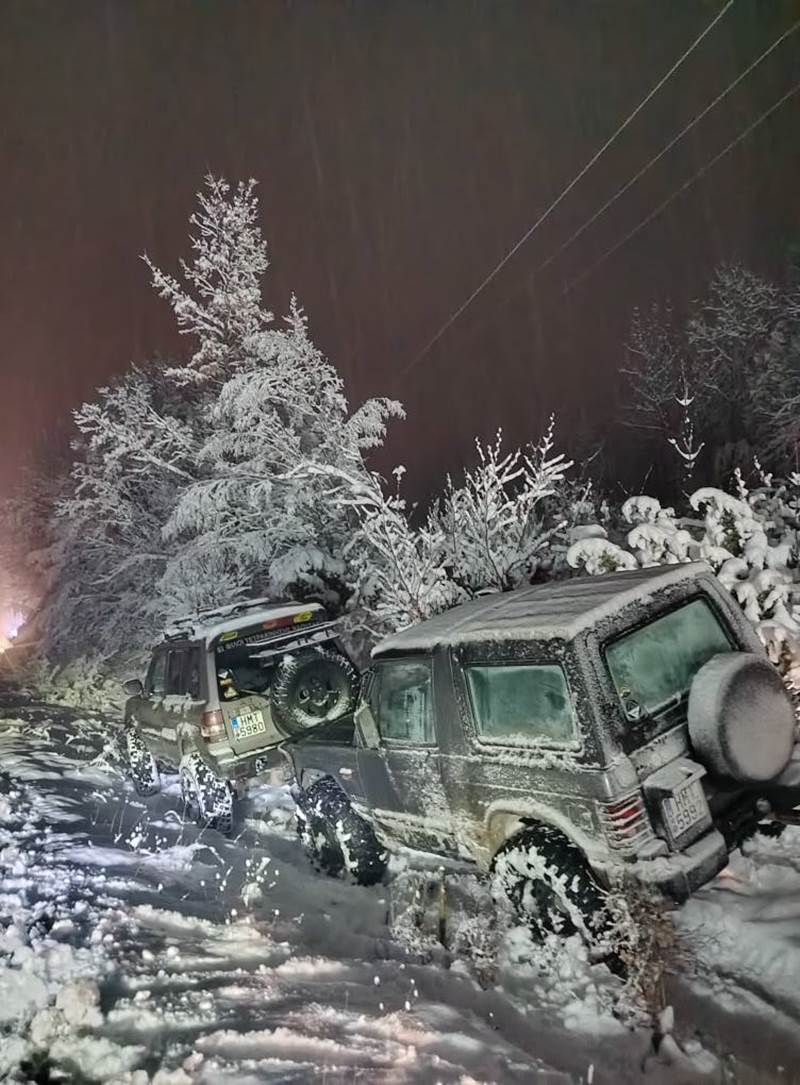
505 523
494 522
204 483
134 455
725 385
598 555
219 301
749 538
273 431
399 572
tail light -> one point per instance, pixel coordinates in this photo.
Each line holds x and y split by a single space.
626 823
212 726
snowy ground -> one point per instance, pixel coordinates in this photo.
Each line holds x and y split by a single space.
136 949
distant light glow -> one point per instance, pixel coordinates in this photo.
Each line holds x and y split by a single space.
11 621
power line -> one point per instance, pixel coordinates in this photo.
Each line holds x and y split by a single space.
564 193
665 150
679 191
649 165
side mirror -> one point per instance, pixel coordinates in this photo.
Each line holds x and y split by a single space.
133 687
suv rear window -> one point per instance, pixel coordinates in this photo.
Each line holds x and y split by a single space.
519 703
654 665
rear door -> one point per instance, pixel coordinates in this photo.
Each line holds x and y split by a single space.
148 709
400 770
183 703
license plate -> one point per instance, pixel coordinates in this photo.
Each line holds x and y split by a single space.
248 724
685 807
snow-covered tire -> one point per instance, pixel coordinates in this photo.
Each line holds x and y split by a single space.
548 882
336 838
142 767
206 799
312 687
741 719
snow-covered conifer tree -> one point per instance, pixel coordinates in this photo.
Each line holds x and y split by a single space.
219 301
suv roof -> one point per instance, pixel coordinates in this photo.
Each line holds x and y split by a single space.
556 610
211 623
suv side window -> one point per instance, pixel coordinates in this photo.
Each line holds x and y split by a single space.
192 677
175 671
515 703
401 697
156 681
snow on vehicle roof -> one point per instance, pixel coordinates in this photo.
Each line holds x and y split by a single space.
558 610
213 624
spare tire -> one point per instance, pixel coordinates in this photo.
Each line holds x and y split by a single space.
312 687
741 720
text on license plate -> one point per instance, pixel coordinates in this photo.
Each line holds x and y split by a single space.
685 807
248 724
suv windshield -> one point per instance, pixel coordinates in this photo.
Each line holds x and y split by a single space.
654 665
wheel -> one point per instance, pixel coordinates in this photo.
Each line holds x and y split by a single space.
142 767
549 883
336 838
206 799
312 687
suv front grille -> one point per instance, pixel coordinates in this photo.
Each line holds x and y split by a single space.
626 824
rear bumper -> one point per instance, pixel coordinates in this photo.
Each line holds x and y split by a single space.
677 875
236 768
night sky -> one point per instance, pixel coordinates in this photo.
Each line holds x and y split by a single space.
401 148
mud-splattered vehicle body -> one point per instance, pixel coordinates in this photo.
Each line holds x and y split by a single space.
630 723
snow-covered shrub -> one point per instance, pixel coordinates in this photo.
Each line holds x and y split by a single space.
599 555
495 525
503 527
399 571
723 387
82 683
750 540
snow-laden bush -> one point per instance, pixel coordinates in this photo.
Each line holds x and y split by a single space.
504 526
83 683
496 526
750 540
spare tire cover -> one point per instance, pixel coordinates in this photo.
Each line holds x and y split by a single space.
741 720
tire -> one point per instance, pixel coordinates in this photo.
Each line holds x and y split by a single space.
206 799
142 767
548 882
337 839
311 687
741 718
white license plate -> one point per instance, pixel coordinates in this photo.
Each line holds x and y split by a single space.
685 807
248 724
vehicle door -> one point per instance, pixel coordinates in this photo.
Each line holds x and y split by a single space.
146 710
181 707
399 758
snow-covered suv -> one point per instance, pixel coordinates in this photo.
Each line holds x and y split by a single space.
570 735
223 689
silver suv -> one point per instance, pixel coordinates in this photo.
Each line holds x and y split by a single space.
569 735
223 689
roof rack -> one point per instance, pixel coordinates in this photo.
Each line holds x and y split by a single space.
204 617
202 614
